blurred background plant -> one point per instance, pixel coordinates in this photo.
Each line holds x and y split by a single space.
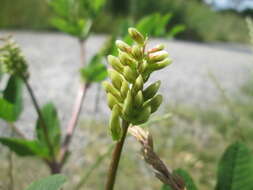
202 21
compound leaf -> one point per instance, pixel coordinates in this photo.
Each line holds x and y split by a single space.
235 169
95 71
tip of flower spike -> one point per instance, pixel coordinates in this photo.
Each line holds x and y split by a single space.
131 68
136 36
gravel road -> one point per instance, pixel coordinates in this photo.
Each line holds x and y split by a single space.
54 63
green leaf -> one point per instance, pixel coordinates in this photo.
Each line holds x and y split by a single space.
24 147
54 182
163 20
153 25
74 17
108 46
79 28
6 110
49 114
13 94
97 5
235 169
189 183
84 28
156 25
65 26
96 71
61 7
175 30
92 7
147 24
11 104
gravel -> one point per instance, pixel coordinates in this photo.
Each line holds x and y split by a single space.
54 63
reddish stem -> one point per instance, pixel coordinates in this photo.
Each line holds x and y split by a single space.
116 158
73 121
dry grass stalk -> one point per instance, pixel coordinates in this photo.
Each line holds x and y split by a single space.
162 172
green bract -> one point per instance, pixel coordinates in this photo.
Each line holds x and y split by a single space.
130 70
12 60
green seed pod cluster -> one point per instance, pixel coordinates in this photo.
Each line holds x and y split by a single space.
12 60
127 97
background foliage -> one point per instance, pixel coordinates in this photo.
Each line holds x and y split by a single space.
202 23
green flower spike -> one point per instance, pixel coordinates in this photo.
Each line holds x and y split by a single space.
12 60
127 96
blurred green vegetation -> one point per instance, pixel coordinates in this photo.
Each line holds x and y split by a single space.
25 14
202 23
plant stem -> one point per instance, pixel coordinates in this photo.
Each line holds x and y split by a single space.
82 51
116 158
55 167
76 110
44 127
73 121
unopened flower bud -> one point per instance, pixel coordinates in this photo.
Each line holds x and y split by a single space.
143 116
136 36
159 65
138 99
158 56
151 90
116 78
115 63
111 100
129 74
138 85
128 105
137 52
156 48
125 59
155 102
111 89
123 46
114 123
143 66
124 89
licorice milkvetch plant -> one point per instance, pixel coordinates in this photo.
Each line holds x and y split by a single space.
130 70
128 98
